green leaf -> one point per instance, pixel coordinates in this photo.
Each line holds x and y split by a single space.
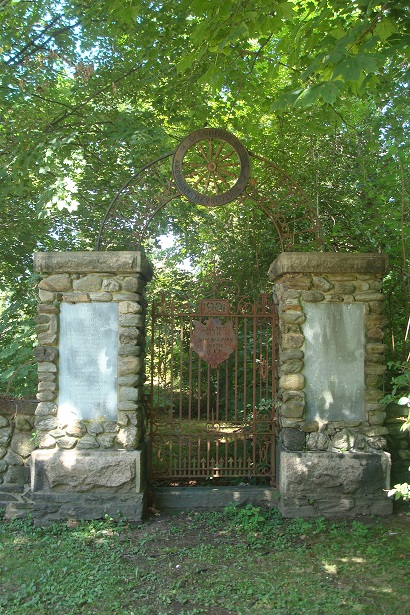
330 91
285 100
238 33
351 68
385 28
186 62
269 25
308 96
285 10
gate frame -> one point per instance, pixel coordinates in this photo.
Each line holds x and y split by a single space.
262 309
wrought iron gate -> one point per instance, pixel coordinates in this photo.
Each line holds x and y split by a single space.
212 389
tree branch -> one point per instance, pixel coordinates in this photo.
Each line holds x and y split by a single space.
51 100
73 110
13 61
247 52
42 46
370 27
258 54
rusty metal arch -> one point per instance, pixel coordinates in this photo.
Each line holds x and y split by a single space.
146 193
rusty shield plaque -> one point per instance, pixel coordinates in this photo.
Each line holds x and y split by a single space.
212 341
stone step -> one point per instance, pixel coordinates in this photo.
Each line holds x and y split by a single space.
213 498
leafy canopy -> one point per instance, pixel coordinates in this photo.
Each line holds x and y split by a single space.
93 90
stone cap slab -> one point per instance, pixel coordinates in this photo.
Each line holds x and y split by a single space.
93 261
326 262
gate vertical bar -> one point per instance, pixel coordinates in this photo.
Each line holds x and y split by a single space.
221 429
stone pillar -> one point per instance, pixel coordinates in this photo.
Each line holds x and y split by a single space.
90 416
331 363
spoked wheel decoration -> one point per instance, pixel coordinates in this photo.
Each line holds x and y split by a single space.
211 167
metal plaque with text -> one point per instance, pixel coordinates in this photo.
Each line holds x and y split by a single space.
212 341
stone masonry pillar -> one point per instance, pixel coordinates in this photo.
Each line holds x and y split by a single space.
90 417
331 363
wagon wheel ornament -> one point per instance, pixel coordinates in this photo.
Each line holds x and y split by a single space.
211 167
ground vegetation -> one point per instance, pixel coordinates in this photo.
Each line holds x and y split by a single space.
234 562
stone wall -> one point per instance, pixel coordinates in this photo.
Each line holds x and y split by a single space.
16 446
88 468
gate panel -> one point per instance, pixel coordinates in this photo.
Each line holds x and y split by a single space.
212 416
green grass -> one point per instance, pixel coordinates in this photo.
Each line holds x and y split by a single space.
239 561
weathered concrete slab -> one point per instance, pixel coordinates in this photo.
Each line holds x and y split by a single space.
87 470
330 484
73 484
334 361
213 498
93 261
322 262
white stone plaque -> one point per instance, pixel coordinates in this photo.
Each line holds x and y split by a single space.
88 362
334 361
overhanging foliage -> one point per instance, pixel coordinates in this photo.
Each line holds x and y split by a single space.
92 91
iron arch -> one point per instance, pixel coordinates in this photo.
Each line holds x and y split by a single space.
264 184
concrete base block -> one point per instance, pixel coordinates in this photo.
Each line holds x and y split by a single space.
213 498
315 484
73 484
